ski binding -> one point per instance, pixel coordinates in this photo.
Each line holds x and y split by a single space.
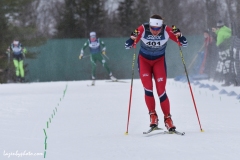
152 129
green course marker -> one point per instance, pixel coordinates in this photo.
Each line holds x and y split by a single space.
50 120
47 124
45 146
45 139
44 154
45 132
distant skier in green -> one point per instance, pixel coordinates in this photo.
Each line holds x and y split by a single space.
18 51
96 54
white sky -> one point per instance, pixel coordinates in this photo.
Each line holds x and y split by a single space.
89 123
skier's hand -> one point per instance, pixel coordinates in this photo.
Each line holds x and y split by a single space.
80 56
8 51
103 52
129 43
24 51
176 31
134 34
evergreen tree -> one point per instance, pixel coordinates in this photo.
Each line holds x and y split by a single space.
81 17
92 16
142 10
68 23
15 25
3 42
126 17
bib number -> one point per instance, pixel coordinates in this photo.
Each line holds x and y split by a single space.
152 43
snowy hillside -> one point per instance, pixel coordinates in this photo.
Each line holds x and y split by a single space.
72 121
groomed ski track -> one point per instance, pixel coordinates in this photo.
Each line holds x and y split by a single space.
89 123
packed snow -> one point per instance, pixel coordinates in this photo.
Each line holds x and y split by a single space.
74 121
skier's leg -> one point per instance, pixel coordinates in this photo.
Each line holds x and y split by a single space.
105 65
16 65
94 65
21 69
160 77
145 72
160 80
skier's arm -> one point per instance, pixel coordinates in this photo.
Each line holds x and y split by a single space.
135 36
82 49
8 51
103 46
177 36
24 50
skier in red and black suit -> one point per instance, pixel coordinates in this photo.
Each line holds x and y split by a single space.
151 63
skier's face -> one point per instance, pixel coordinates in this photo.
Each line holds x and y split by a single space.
93 38
15 43
155 30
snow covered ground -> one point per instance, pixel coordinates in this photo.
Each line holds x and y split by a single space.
89 123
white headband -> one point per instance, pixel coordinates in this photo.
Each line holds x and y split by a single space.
15 42
92 34
155 22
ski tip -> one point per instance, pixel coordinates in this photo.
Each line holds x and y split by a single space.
202 130
126 133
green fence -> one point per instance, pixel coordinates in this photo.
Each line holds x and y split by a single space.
58 60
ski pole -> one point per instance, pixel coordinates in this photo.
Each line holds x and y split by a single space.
130 99
181 54
86 56
106 56
194 59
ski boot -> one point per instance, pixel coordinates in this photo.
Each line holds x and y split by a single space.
93 81
169 123
153 119
112 77
22 79
18 79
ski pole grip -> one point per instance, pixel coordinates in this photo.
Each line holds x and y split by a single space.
174 28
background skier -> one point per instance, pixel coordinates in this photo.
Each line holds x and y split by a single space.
18 51
96 54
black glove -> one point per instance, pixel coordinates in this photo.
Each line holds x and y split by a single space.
129 43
